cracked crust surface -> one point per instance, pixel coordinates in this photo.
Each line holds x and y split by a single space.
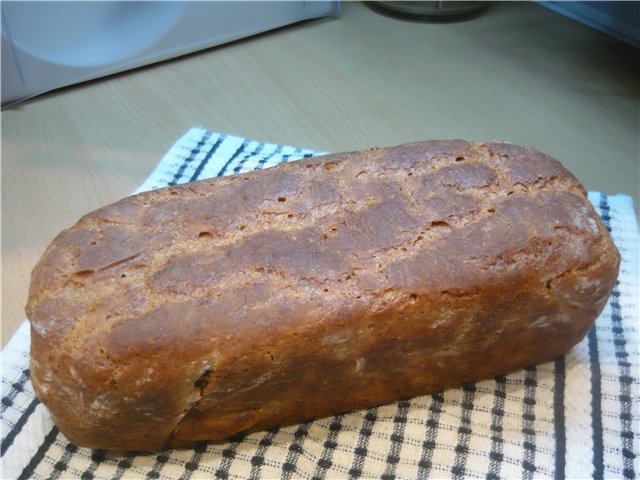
325 285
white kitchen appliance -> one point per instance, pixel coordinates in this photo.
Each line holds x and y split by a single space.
49 44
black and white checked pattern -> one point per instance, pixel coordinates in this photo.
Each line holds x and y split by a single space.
458 470
360 451
497 419
294 451
429 443
575 417
329 446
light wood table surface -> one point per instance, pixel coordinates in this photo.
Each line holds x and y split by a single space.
518 72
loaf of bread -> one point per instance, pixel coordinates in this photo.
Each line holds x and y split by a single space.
325 285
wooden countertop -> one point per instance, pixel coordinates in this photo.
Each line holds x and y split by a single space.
518 72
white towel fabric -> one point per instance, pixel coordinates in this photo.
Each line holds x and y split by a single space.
574 417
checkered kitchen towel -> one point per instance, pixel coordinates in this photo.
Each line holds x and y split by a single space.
575 417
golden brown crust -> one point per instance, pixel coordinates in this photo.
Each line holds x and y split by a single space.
325 285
